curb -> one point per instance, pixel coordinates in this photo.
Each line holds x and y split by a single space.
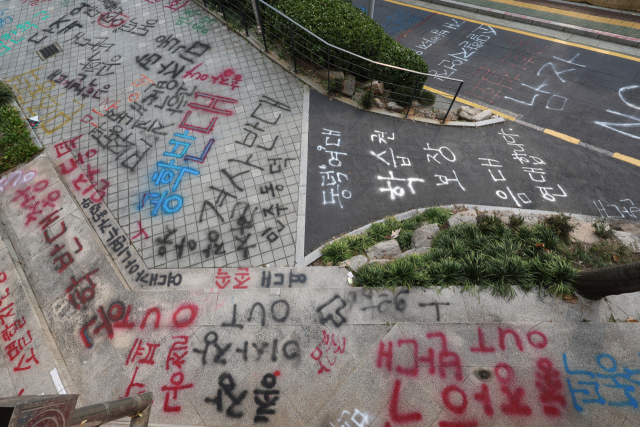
302 184
316 254
567 28
290 69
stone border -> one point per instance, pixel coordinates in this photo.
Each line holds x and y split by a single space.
310 82
567 28
302 183
316 254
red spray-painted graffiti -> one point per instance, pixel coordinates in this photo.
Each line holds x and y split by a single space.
221 79
457 397
223 278
15 347
211 108
327 344
112 19
175 360
29 202
117 316
83 183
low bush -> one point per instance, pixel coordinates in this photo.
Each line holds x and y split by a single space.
602 229
6 94
350 246
367 100
341 24
561 225
515 221
15 141
489 255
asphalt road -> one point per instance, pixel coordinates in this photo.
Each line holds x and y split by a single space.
590 95
357 174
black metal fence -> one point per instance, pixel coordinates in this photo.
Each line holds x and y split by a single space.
339 71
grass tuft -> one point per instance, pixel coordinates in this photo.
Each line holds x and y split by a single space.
560 225
602 229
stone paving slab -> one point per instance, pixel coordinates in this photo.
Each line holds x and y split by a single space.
27 360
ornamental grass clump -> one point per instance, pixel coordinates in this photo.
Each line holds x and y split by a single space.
351 246
491 255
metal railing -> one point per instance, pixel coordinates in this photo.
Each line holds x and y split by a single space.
31 411
339 71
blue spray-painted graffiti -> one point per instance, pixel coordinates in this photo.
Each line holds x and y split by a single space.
590 379
5 19
170 173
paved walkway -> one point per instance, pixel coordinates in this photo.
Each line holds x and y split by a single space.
188 134
586 17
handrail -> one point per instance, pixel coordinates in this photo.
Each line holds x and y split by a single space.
351 53
137 407
59 409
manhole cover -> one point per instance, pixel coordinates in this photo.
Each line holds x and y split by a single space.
49 51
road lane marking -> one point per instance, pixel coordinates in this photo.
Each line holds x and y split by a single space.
627 159
562 136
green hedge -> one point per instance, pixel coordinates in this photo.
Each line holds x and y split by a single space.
341 24
15 141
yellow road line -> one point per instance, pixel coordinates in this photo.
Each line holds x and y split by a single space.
627 159
562 136
594 49
579 15
464 101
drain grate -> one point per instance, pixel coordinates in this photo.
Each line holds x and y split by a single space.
49 51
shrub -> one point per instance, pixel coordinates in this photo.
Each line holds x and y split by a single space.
426 98
560 225
335 87
6 94
15 141
602 229
341 24
515 221
367 100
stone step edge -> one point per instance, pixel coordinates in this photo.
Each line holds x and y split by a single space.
317 253
567 28
307 81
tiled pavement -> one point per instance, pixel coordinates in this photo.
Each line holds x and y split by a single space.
117 94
